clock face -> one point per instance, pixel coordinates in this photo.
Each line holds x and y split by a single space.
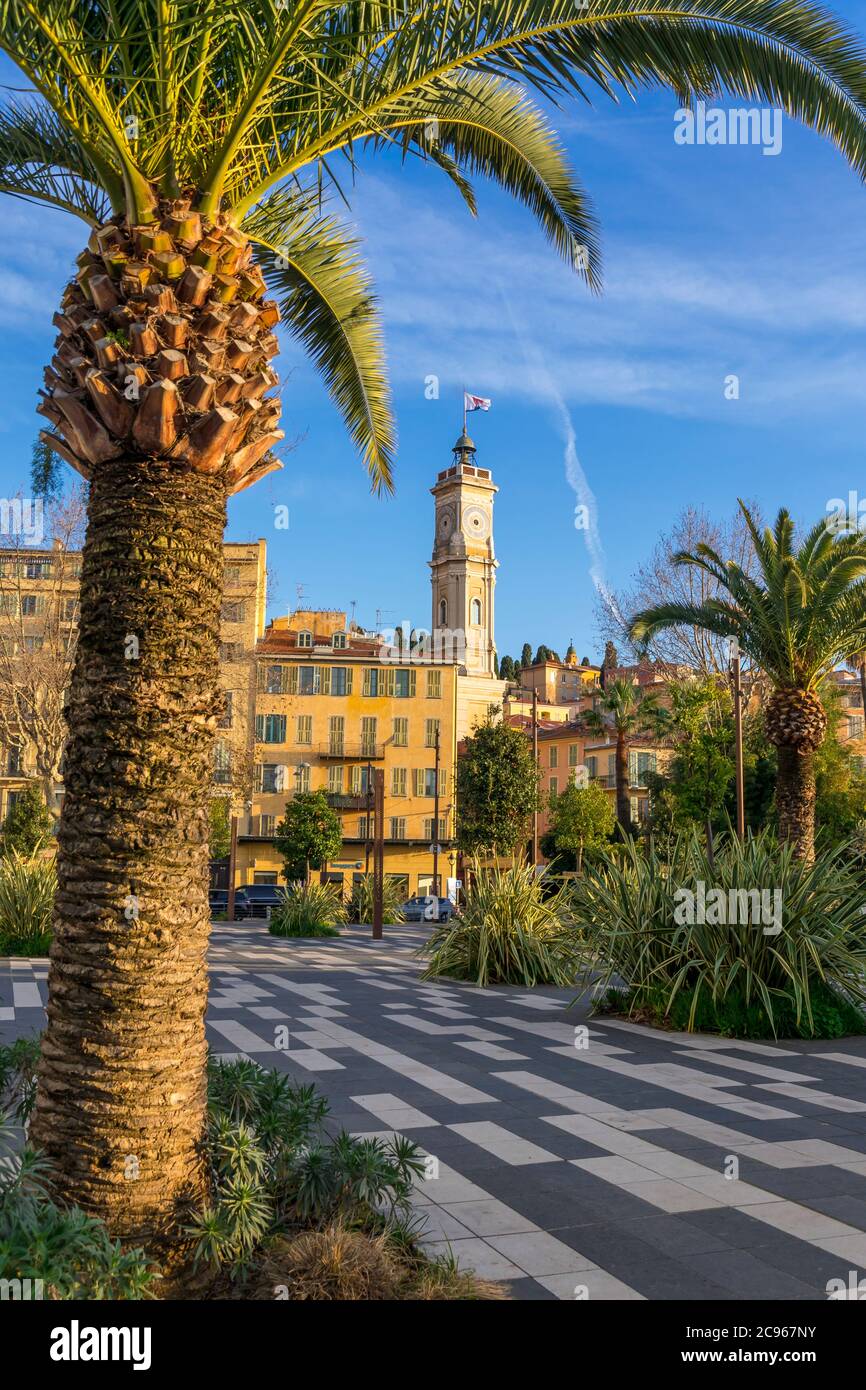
475 522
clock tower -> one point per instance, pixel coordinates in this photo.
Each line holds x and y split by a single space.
463 567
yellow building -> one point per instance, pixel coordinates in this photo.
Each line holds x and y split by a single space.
567 753
334 702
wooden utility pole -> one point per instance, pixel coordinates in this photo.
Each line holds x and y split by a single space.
436 893
233 855
535 760
378 849
738 735
368 795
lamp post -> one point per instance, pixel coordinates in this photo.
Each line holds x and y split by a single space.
734 657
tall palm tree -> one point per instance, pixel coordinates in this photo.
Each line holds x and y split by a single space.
800 616
198 140
623 709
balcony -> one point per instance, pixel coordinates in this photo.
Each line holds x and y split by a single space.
344 801
340 751
605 780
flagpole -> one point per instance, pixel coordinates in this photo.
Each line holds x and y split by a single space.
464 409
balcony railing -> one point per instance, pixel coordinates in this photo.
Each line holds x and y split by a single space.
352 752
345 801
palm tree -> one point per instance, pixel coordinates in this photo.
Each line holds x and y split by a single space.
197 141
800 616
622 708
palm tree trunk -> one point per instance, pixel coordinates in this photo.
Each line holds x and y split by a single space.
121 1084
623 806
795 800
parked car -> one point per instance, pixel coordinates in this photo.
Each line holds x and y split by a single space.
219 902
257 898
425 909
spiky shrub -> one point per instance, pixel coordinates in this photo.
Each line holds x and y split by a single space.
361 904
741 974
309 909
27 888
273 1167
509 931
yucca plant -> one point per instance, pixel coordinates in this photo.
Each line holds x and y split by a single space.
361 902
199 142
801 615
309 909
509 932
723 952
27 888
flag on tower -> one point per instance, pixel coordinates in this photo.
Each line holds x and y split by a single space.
471 402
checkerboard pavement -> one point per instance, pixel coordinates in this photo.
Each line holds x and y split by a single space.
618 1162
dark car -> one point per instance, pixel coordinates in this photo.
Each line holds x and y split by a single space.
257 898
219 902
425 909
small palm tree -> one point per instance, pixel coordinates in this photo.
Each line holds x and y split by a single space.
199 142
857 663
801 616
624 710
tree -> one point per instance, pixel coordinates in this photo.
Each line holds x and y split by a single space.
199 145
622 708
525 656
582 819
308 835
38 635
506 669
497 789
220 836
802 615
661 580
29 825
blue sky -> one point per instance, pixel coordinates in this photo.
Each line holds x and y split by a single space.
718 261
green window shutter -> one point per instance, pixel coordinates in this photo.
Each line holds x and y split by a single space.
325 679
260 728
292 682
418 780
367 675
413 681
386 682
349 674
632 768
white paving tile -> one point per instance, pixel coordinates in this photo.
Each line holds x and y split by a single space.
503 1144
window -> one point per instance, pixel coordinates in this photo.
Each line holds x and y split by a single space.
400 732
14 762
35 644
226 720
270 777
554 785
308 680
302 777
303 729
267 827
475 612
368 737
429 833
339 641
231 576
70 610
431 733
371 681
341 680
264 875
573 751
855 726
592 766
335 780
274 679
37 569
336 733
404 684
232 611
398 828
639 764
398 781
358 780
270 728
362 827
425 781
434 685
305 639
32 605
443 612
222 759
231 651
554 755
